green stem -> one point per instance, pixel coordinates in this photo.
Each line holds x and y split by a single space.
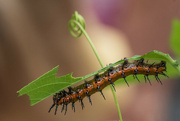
94 49
117 104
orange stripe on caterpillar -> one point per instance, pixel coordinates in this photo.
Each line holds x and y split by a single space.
108 77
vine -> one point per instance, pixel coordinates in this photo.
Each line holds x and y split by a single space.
77 24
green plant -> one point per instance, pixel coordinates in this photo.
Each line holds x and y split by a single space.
48 84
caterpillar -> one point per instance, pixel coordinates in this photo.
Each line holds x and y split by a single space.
100 81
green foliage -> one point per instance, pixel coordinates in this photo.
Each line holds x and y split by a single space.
48 84
175 37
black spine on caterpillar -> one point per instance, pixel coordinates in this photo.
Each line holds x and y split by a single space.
125 63
70 99
110 71
123 66
96 79
141 62
87 93
80 99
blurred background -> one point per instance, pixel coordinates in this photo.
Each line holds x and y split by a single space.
34 38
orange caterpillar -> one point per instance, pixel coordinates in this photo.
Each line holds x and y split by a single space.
108 77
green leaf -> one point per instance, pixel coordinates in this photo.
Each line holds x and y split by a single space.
175 37
48 84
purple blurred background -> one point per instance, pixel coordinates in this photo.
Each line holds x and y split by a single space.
34 39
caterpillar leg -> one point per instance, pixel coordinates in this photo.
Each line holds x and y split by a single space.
136 77
56 109
126 81
82 104
148 80
145 78
125 78
101 92
164 74
51 107
90 99
89 96
63 106
158 80
112 84
65 110
73 106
